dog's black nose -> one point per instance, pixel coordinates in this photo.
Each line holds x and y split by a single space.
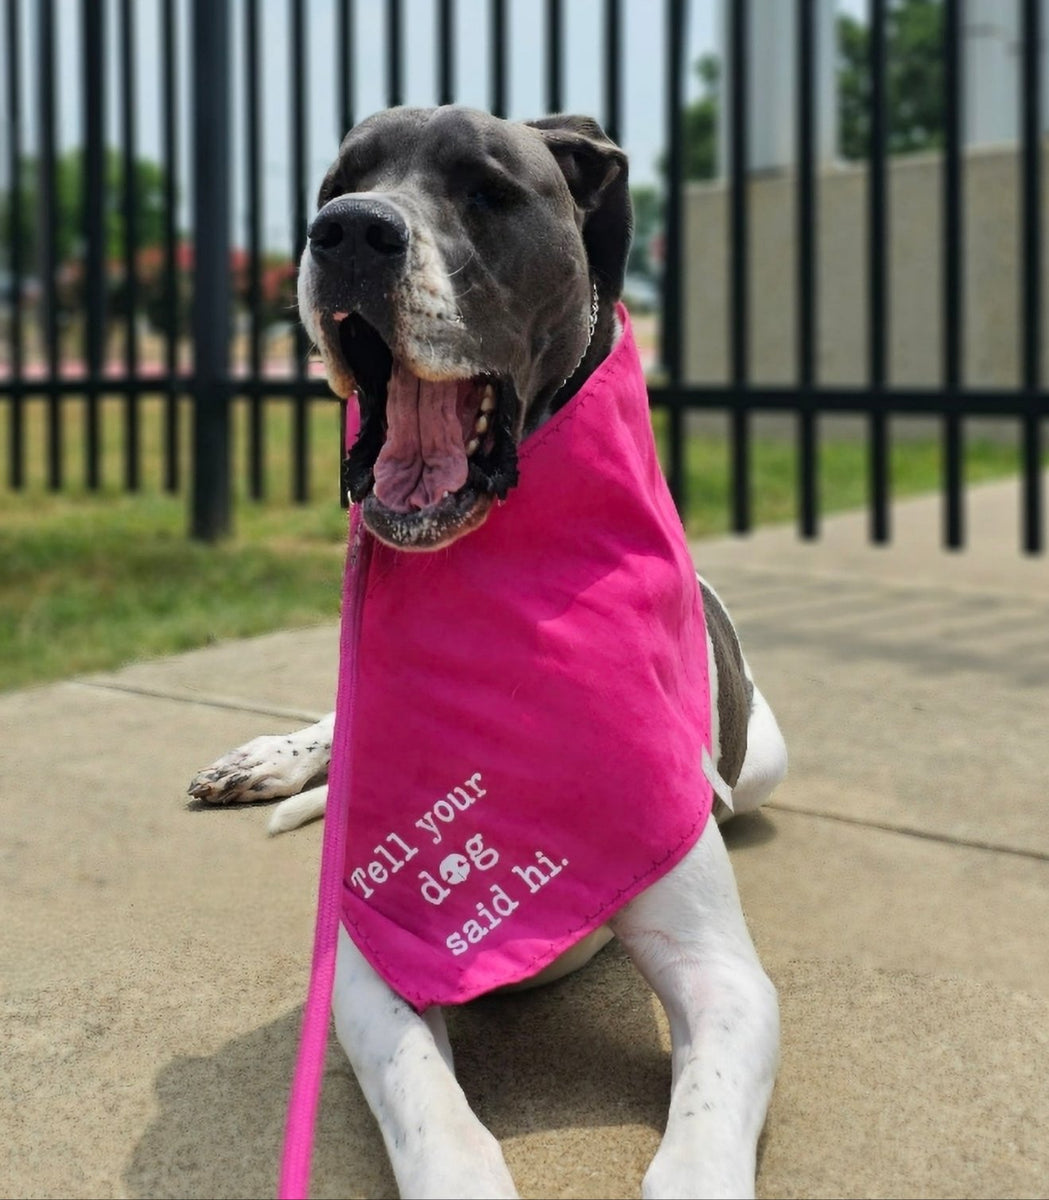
359 233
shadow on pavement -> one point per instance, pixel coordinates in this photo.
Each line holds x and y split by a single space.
582 1053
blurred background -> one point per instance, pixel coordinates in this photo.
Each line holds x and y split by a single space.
837 274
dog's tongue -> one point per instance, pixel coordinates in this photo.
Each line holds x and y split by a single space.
423 455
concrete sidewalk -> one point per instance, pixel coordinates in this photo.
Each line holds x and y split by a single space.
154 957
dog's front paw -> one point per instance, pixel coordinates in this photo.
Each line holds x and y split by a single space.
266 768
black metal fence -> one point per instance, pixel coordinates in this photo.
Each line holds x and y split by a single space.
77 275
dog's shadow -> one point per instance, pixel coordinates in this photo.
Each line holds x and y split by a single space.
584 1052
537 1066
748 831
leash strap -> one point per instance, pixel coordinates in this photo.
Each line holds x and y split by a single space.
313 1038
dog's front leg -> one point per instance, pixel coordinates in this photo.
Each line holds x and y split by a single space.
689 939
268 767
403 1061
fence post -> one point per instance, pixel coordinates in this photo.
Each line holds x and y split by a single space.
211 501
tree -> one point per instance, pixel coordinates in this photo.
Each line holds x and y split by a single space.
148 204
648 220
914 79
700 132
701 122
914 88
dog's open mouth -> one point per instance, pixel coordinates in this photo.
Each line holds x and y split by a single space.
432 453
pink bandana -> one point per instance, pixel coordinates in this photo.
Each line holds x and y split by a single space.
522 736
530 711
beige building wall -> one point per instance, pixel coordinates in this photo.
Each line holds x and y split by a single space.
915 185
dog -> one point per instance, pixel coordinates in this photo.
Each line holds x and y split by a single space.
483 259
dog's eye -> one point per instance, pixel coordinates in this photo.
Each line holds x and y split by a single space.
485 197
485 191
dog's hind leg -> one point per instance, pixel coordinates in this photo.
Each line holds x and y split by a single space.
437 1147
688 937
765 764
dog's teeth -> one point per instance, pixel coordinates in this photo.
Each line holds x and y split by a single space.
487 399
481 424
472 445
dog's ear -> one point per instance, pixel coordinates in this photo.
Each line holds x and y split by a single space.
596 172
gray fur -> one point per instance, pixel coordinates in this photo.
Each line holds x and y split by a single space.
734 688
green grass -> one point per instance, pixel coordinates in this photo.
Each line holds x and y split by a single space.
916 467
88 584
91 582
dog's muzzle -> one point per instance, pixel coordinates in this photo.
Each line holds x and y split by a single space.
437 437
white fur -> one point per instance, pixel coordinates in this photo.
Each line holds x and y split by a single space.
687 936
765 765
437 1147
299 810
268 768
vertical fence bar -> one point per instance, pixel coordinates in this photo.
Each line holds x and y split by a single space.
739 305
48 201
446 52
93 42
16 411
132 439
344 65
877 273
613 68
210 56
253 183
671 331
554 58
1033 536
300 482
344 34
173 315
808 464
953 447
497 56
394 53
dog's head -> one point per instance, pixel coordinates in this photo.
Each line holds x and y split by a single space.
460 276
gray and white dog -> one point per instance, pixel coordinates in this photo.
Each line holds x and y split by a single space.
485 257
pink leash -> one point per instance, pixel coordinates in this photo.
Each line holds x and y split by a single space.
313 1039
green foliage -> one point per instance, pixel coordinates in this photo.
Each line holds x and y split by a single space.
148 205
276 298
701 122
647 202
700 135
914 88
914 83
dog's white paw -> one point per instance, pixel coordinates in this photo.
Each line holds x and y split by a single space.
265 768
298 810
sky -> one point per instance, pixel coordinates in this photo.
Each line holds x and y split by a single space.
643 41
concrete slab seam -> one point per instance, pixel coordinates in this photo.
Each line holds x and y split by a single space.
308 716
908 831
